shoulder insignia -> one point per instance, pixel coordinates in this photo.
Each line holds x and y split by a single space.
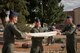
74 26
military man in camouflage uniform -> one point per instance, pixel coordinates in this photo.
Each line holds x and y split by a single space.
37 41
70 31
9 32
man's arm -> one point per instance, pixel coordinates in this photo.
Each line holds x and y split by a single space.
73 29
64 29
17 32
33 30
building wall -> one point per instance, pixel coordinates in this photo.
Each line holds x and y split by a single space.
77 16
70 13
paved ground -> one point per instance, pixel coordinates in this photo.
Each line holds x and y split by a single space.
55 48
47 49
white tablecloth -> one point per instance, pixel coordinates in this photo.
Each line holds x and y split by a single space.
44 34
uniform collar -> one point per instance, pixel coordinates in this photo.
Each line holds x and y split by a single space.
37 27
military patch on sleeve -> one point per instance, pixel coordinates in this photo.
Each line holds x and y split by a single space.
74 26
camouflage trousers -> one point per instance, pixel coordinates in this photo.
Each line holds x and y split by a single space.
36 49
71 46
8 48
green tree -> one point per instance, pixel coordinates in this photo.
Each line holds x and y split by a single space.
34 9
53 10
49 11
18 6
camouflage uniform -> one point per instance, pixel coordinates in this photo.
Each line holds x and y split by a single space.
70 31
37 41
9 39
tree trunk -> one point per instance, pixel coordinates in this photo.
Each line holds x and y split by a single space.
3 21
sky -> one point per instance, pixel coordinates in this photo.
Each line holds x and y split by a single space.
69 5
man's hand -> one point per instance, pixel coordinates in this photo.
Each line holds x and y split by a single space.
58 33
28 35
